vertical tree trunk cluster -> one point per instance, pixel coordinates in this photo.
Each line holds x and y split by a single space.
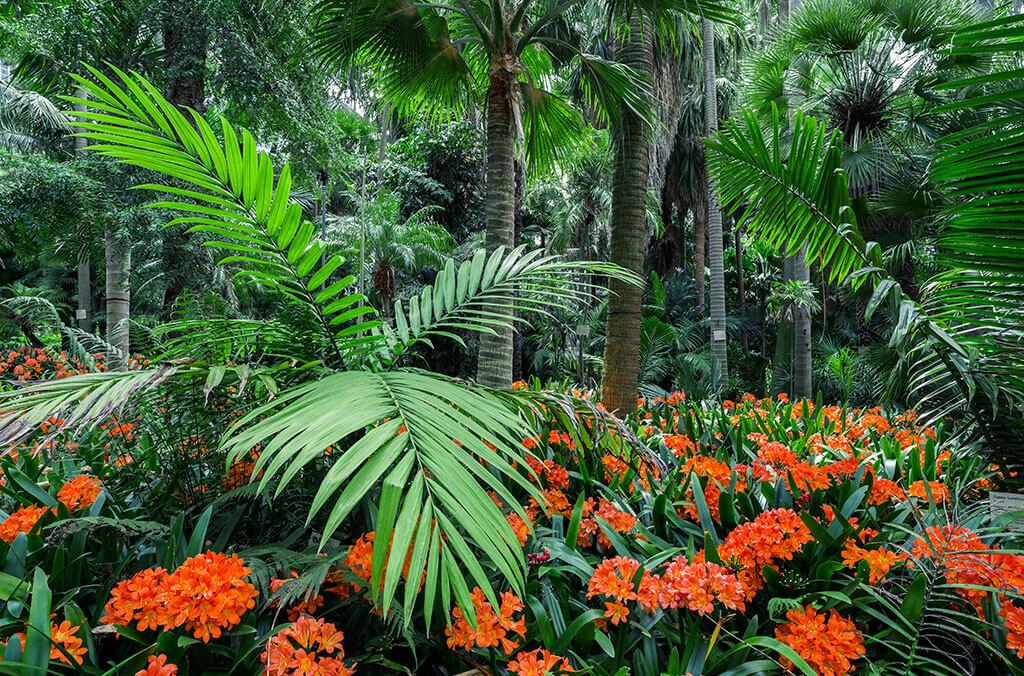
494 361
84 271
629 234
714 224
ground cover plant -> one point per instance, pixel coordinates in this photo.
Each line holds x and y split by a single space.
511 338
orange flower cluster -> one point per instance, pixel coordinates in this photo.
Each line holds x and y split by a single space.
1013 616
718 476
539 663
21 521
207 594
66 643
555 475
680 445
880 561
830 644
938 490
620 521
157 665
885 490
615 578
493 629
775 535
966 560
360 558
308 647
239 474
698 586
79 493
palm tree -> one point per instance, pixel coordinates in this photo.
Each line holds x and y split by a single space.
714 221
442 57
629 232
388 244
391 428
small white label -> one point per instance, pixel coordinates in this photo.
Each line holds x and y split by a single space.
1008 503
81 314
718 335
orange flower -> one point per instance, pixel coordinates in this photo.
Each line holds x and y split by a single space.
208 593
138 599
22 521
699 585
79 493
829 644
884 490
492 629
937 489
539 663
63 637
307 647
880 561
157 666
774 535
519 526
1014 618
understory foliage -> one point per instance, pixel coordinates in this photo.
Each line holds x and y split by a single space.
755 536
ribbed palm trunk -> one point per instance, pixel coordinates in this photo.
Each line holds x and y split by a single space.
629 238
494 362
802 387
700 219
782 363
119 268
715 244
84 272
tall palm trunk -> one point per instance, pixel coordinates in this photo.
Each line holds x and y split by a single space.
494 362
740 281
700 219
802 334
782 363
629 236
119 268
83 313
715 244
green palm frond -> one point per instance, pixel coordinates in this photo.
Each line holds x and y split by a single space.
796 191
432 445
480 294
232 198
981 240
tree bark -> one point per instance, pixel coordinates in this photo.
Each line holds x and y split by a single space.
802 386
83 315
494 361
782 362
629 236
517 336
700 218
119 267
740 281
715 243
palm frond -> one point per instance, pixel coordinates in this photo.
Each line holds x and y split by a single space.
233 197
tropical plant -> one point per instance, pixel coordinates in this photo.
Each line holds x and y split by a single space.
413 439
441 57
964 353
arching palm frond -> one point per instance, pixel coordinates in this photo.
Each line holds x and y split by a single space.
424 448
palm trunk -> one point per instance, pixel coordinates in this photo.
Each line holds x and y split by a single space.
83 313
782 362
119 267
740 281
629 238
494 362
700 217
802 341
715 244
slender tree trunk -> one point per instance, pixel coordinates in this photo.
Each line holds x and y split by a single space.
783 11
763 18
715 243
629 237
782 363
700 219
740 281
119 268
186 37
494 362
517 336
802 387
83 313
